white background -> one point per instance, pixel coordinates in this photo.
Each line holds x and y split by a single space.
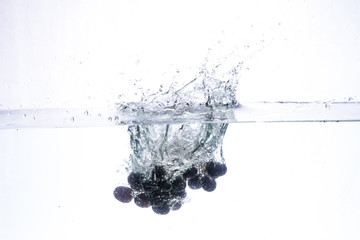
75 54
295 180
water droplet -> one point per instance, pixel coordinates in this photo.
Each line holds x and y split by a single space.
110 119
72 119
99 114
34 118
86 113
116 118
24 115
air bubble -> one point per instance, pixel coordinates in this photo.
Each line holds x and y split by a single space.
110 119
86 113
72 119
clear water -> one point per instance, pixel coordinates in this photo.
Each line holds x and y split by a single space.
59 183
180 127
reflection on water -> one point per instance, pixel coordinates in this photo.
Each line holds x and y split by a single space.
166 159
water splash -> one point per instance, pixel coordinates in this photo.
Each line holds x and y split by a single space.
212 87
175 147
167 156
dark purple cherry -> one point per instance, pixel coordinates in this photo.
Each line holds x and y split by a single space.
215 169
164 185
178 194
142 200
208 184
135 180
150 185
176 206
178 184
159 197
195 182
123 194
159 173
161 209
190 172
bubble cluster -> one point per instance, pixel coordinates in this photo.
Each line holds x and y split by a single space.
164 191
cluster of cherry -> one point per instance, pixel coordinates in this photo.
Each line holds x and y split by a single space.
165 194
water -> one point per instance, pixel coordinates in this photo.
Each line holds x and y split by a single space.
177 130
270 168
62 180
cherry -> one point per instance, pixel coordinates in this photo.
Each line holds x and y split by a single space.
208 184
123 194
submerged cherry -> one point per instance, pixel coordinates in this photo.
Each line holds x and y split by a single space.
158 173
191 172
164 185
135 180
178 184
208 184
216 169
159 197
142 200
195 182
161 209
176 206
123 194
